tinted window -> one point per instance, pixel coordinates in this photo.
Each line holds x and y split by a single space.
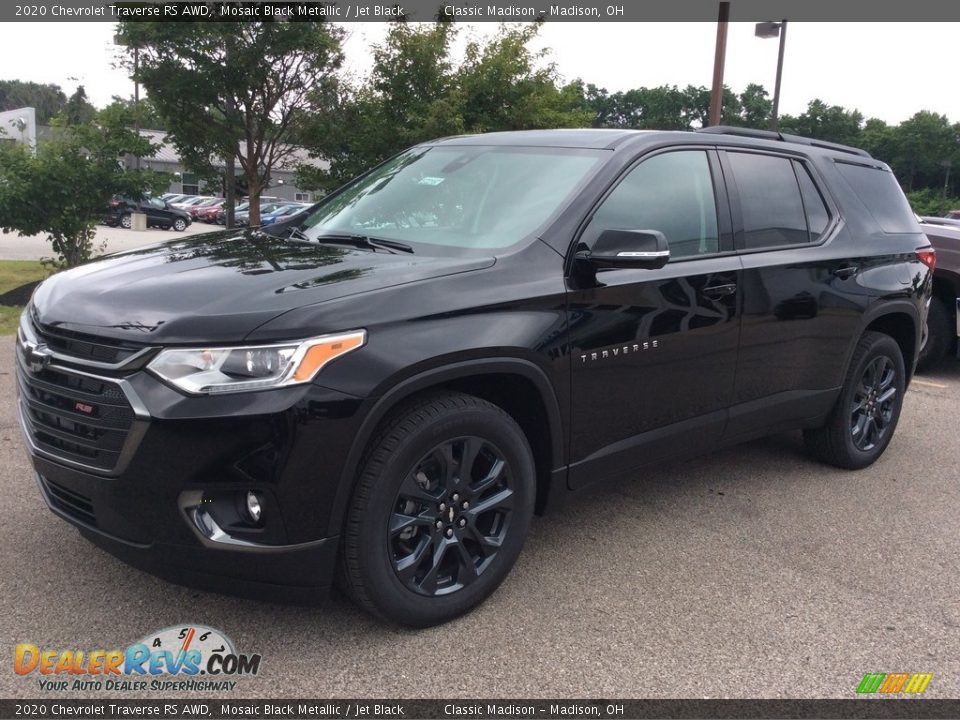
672 193
769 200
879 192
818 217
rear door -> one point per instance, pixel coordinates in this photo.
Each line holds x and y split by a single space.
798 310
654 351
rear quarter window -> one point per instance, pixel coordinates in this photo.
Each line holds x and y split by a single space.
879 192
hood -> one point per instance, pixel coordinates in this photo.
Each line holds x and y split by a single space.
219 287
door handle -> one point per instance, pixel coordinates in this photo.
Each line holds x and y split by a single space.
715 292
847 271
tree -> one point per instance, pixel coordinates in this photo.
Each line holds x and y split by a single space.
64 190
235 89
48 100
78 109
825 122
504 85
416 92
144 110
924 146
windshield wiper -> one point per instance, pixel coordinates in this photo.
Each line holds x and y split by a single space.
298 234
367 242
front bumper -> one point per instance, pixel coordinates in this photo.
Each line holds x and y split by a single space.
294 573
164 505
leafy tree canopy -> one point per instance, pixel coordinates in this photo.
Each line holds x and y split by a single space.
64 189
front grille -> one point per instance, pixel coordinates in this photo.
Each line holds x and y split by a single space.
83 346
69 502
74 417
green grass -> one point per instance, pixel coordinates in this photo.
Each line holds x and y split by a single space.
13 274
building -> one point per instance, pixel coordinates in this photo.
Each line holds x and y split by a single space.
19 125
283 178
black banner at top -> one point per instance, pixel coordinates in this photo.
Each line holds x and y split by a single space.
853 11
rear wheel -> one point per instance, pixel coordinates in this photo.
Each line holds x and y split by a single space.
866 414
940 335
126 221
440 512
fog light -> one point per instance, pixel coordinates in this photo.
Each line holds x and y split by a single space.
253 506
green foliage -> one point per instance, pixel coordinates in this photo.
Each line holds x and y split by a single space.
669 108
235 89
48 100
825 122
145 112
64 190
78 109
931 201
417 91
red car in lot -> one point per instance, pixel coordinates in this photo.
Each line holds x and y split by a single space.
207 210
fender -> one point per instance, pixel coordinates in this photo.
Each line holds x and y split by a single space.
431 378
877 310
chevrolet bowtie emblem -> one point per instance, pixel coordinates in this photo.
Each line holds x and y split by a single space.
36 356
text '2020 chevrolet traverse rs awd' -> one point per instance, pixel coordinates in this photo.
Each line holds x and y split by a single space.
387 392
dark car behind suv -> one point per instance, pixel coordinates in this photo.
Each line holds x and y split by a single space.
159 214
940 339
460 338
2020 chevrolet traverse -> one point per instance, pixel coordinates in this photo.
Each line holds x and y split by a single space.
387 392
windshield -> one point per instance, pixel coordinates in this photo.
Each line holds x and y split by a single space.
467 197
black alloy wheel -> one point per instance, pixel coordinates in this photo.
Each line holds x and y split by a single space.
452 514
873 404
864 417
440 510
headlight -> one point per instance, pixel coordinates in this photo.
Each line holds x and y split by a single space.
257 367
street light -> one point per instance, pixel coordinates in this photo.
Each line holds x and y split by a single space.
772 30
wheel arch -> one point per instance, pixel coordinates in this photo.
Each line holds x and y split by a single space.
900 319
518 386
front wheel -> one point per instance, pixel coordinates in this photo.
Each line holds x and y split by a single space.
864 419
179 224
440 511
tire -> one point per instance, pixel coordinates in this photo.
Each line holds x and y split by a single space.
179 224
396 562
866 413
126 221
940 335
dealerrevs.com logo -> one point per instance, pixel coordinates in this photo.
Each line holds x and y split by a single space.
183 657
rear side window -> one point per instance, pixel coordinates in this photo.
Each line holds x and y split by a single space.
818 217
879 192
769 201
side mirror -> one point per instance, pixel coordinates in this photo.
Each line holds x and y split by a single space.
628 249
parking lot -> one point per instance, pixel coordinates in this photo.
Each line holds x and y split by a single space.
755 572
35 247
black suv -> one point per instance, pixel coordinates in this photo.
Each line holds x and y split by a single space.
159 214
389 391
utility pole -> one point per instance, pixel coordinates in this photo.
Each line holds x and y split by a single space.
775 118
716 94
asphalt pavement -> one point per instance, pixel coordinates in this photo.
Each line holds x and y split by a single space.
107 239
755 572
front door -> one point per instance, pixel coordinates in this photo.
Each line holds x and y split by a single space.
654 351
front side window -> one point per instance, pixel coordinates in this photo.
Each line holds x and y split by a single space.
671 193
769 201
461 197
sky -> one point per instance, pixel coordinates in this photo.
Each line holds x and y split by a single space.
886 70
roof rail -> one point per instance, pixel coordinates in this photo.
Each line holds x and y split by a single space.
771 135
742 132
